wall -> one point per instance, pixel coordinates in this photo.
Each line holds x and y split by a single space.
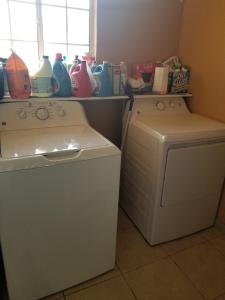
202 46
133 31
137 30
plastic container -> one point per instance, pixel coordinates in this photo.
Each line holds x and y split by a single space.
75 66
1 82
3 62
104 86
42 81
124 77
63 86
18 78
116 80
81 84
161 80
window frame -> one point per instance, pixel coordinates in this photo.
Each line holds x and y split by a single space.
39 26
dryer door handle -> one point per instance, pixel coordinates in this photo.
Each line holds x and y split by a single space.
63 156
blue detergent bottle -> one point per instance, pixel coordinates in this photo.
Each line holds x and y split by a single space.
104 85
63 86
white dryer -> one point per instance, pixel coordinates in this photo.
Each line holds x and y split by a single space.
59 182
173 169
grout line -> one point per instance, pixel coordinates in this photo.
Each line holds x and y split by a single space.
127 284
189 279
218 297
217 249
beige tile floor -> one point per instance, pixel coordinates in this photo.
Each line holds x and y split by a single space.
191 268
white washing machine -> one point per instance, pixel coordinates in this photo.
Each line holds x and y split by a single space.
173 169
59 182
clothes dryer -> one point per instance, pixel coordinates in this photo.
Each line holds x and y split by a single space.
173 169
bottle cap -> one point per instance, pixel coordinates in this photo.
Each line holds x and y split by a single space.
45 56
58 56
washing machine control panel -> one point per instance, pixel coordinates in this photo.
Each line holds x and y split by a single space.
38 114
41 111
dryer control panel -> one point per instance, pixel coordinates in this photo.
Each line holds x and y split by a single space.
39 114
160 105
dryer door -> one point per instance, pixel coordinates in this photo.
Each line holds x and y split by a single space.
194 175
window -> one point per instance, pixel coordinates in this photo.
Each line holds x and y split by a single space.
36 27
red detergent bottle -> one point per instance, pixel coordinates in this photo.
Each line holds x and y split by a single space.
81 84
18 78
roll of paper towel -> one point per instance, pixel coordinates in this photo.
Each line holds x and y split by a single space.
161 80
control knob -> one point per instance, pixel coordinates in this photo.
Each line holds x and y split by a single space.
61 113
160 105
42 113
22 114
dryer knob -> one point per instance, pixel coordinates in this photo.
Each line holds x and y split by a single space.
22 114
160 105
61 113
42 113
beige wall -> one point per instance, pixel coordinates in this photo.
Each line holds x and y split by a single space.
202 46
137 30
133 31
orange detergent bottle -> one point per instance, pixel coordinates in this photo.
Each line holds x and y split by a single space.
18 78
81 84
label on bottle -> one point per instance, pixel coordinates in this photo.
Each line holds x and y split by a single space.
41 85
74 83
116 80
97 90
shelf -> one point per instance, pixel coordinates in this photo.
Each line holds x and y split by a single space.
143 96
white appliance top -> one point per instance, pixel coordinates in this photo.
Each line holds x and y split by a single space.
45 127
170 120
24 143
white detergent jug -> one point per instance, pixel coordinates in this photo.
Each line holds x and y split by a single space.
42 81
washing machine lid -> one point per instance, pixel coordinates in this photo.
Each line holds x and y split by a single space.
181 127
33 142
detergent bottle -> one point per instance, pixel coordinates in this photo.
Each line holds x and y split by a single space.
1 82
18 77
3 62
63 87
75 66
123 78
81 84
41 82
104 86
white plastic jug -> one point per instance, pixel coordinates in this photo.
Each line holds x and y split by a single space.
42 81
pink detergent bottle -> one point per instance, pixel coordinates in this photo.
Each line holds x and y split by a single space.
75 66
81 84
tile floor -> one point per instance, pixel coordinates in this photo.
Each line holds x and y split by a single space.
192 268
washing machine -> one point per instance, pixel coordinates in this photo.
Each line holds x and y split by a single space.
173 169
59 185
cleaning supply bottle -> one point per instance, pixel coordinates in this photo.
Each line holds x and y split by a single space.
81 84
104 86
18 77
3 62
123 77
75 66
1 82
92 79
62 77
41 82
